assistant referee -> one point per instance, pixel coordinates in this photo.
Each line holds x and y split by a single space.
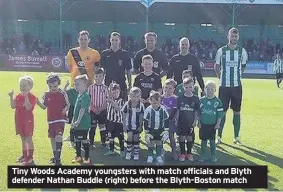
185 61
160 64
115 62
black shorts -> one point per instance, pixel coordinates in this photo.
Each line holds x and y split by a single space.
70 114
233 94
114 129
207 132
98 118
279 75
80 135
156 134
185 131
136 131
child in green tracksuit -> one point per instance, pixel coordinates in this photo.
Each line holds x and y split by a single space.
81 120
211 113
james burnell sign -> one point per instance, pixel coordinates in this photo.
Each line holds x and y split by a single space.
33 63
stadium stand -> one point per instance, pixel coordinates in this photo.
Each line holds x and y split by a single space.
263 50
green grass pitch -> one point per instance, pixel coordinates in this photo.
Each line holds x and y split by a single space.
261 132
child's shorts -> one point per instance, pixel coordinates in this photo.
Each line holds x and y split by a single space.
98 118
56 129
207 132
135 132
156 134
80 135
25 129
185 131
114 129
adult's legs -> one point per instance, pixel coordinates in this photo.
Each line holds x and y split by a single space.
225 97
236 103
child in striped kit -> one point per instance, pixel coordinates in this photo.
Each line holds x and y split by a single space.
133 110
114 124
98 92
156 123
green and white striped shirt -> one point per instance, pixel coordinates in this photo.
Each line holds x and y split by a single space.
156 118
231 61
277 66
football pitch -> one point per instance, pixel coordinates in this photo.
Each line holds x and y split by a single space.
261 132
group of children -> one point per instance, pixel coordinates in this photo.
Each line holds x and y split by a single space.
161 112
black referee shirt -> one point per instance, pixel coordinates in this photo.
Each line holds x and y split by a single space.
115 64
179 63
159 60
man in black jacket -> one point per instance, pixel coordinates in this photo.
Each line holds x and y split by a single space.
160 64
185 61
115 62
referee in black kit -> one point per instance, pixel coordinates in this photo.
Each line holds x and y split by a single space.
185 61
160 64
115 61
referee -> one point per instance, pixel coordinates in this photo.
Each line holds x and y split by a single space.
278 69
115 62
160 64
185 61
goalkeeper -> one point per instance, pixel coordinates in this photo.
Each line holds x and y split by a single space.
156 124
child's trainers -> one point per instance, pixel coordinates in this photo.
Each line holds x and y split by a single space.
128 156
218 140
122 154
190 157
86 161
237 141
108 153
149 159
213 159
136 157
27 162
182 157
20 160
52 160
159 160
103 145
77 160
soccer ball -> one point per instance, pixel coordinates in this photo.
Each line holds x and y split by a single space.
201 65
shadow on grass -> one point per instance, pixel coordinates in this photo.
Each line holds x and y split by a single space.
260 155
224 158
237 160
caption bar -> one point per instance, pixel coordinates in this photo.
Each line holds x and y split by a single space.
137 177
